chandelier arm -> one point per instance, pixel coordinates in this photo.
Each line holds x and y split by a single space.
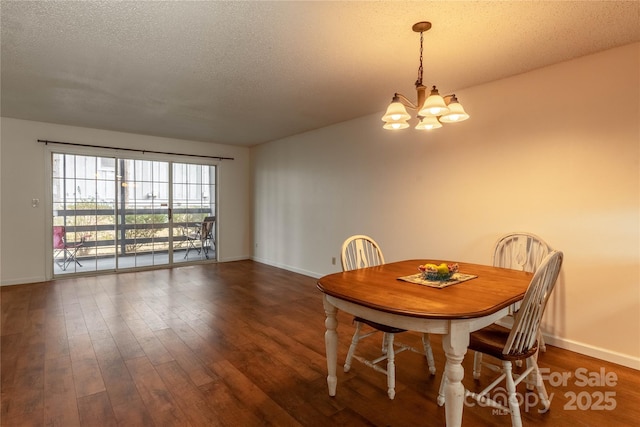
406 102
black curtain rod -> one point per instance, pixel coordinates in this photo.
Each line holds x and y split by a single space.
134 149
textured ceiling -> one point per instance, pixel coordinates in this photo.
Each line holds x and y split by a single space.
250 72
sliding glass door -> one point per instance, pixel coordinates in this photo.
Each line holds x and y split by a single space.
142 213
84 213
114 213
194 209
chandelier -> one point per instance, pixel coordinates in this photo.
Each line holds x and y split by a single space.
432 111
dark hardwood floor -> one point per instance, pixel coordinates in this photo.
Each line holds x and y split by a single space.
237 344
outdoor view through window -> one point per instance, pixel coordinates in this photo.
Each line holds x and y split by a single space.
113 213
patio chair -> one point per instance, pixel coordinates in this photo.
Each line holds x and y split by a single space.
201 239
65 253
518 343
359 252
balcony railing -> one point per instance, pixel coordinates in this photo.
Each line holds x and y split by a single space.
102 236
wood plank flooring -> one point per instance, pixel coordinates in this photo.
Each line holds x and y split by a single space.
236 344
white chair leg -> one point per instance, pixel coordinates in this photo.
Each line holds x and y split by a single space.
514 406
539 383
477 364
426 344
532 380
352 347
384 342
541 345
443 383
391 368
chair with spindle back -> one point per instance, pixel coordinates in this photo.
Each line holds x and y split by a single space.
517 251
361 251
520 343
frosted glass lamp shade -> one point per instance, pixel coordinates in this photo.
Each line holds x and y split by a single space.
429 123
401 124
456 113
434 105
396 116
396 112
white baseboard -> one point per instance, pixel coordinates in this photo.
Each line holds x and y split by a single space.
588 350
597 352
23 280
231 259
288 267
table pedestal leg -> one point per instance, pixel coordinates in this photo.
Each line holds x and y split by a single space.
331 344
455 345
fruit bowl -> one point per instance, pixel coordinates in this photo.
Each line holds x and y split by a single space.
440 272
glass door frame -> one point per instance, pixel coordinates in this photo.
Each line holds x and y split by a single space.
195 188
114 153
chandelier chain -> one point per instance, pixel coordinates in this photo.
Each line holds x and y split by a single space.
419 81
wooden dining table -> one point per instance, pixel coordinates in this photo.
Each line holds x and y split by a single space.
377 294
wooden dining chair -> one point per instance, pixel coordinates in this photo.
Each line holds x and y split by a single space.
524 252
520 251
361 251
518 343
517 251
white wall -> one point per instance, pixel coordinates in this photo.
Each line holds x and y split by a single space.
554 152
23 228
